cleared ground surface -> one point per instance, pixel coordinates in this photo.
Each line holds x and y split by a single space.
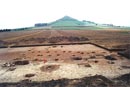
107 38
45 63
83 65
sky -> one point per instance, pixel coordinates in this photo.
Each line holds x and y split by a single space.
23 13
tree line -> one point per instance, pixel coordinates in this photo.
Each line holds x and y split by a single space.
18 29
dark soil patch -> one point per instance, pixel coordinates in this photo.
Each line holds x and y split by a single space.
126 67
24 81
69 51
93 52
76 58
48 52
64 38
84 64
82 53
64 51
125 53
124 79
109 57
39 55
49 55
49 68
93 81
73 55
78 52
96 61
21 62
36 59
56 59
58 55
29 75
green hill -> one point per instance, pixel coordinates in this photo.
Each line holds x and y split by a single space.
67 21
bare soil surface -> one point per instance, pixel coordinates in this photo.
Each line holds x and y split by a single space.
44 63
79 65
107 38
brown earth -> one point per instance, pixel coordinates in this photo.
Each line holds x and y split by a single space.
82 65
106 38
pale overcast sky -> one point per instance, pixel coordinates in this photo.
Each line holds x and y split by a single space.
22 13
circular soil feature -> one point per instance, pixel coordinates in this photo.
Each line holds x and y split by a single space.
96 61
56 59
49 68
29 75
76 58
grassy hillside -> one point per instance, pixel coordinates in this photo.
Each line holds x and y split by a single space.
76 27
70 23
67 21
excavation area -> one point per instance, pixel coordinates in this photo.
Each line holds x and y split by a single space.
65 58
60 62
